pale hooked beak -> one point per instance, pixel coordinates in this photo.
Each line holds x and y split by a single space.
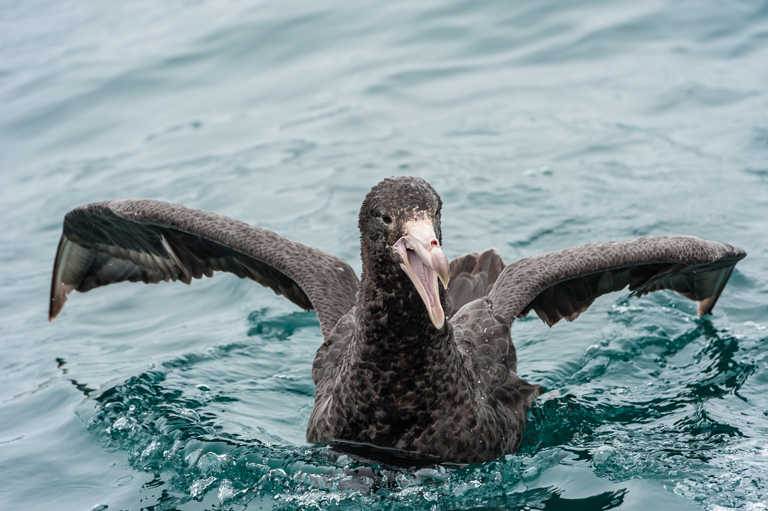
424 261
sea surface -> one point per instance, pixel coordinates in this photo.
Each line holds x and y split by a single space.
543 125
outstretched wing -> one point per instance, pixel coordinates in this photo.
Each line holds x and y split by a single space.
150 241
564 284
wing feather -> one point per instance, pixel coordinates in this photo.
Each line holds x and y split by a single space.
151 241
473 276
564 284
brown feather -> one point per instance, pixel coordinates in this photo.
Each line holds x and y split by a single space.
564 284
150 241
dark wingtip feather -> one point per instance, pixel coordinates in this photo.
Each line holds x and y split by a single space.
72 263
705 305
565 283
57 296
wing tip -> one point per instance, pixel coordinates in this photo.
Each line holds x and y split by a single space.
58 298
68 269
54 309
54 306
704 307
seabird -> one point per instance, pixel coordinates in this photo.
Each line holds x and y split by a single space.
417 354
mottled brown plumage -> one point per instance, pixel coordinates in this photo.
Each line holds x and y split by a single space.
385 374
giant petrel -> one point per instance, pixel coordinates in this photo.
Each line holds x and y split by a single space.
417 354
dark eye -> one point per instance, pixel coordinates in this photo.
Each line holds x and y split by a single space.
387 219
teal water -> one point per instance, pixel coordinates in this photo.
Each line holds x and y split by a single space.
543 125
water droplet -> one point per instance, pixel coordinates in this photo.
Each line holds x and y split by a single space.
603 456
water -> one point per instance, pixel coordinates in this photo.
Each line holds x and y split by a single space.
542 126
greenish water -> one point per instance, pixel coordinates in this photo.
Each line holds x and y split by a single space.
543 125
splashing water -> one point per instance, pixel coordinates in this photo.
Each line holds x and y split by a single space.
597 420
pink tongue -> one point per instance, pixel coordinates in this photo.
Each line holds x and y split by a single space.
421 272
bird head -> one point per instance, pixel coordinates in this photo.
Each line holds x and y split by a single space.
400 222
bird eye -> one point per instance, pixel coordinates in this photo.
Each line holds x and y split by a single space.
386 218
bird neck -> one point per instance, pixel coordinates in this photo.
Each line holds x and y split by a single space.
394 324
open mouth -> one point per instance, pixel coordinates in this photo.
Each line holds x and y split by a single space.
424 262
426 276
